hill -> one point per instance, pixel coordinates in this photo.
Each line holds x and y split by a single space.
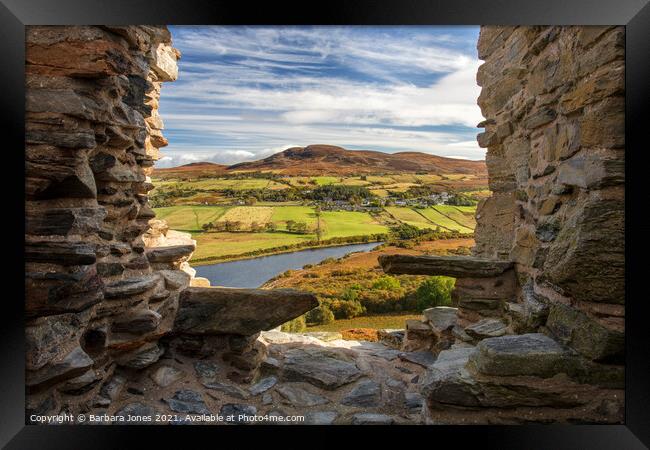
333 160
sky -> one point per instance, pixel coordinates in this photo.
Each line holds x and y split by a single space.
244 93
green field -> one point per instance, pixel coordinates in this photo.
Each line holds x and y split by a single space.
189 218
393 321
334 224
409 216
350 223
220 244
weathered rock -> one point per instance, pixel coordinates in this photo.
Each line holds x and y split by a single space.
441 318
45 338
138 322
130 286
391 338
422 358
112 388
141 358
166 375
413 402
453 266
296 395
319 367
239 311
584 334
228 389
65 254
263 385
365 394
188 402
528 354
486 328
71 365
173 253
206 370
372 419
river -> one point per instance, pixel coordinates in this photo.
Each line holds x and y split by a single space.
252 273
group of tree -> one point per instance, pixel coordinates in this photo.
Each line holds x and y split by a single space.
233 226
340 193
297 227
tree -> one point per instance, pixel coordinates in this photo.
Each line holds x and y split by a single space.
271 226
436 291
250 201
207 226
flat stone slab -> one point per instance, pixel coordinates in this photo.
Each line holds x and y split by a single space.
365 393
422 358
187 401
452 266
295 395
263 385
441 318
319 367
228 389
486 328
130 286
212 310
527 354
170 253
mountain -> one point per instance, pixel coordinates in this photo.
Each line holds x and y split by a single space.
329 159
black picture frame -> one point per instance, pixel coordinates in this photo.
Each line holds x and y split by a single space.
634 14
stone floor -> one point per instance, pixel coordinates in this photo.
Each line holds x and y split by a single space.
328 381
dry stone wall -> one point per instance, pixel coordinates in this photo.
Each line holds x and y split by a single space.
553 99
96 297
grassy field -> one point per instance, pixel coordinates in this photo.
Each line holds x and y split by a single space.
350 223
379 321
334 224
189 218
248 214
217 245
408 215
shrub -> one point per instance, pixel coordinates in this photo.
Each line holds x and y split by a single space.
344 309
387 283
297 325
320 316
436 291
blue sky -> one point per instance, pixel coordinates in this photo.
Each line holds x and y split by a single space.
244 93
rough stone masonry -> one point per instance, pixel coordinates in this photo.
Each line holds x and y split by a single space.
541 339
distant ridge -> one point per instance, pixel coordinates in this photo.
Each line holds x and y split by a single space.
330 159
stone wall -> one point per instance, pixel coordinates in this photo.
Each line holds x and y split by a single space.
553 99
96 298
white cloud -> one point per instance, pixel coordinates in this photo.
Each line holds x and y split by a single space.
280 89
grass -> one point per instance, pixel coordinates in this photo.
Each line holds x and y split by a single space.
248 214
218 245
444 220
408 215
379 321
282 214
349 223
189 218
463 215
